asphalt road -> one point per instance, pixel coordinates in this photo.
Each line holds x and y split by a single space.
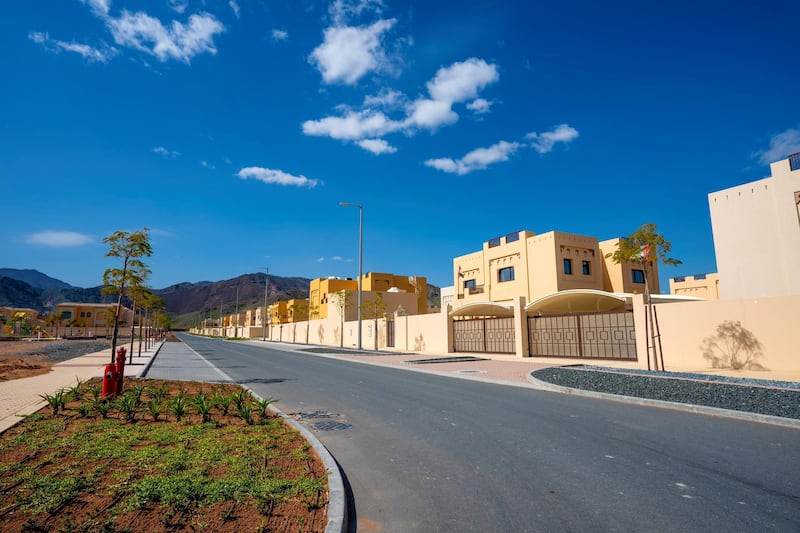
430 453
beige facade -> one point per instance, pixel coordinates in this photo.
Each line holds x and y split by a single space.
92 315
524 264
705 286
756 229
325 292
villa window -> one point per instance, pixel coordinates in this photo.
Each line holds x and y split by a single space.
494 242
637 275
469 284
512 237
586 266
505 274
568 267
794 162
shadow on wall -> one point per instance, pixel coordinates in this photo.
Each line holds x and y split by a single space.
733 347
419 343
321 334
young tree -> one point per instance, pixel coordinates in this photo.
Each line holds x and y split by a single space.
128 248
648 248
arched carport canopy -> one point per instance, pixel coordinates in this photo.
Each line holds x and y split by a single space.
577 301
493 309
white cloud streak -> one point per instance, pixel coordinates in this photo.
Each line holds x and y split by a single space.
353 126
376 146
480 106
142 32
180 41
59 239
545 142
477 159
276 177
89 53
279 35
163 151
235 7
780 145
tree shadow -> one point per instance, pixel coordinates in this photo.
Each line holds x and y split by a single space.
734 347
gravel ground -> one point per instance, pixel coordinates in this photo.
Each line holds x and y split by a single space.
53 351
754 396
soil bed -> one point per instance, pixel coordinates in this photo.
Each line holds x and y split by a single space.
23 359
147 467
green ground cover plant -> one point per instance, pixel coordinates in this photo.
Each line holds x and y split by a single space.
138 463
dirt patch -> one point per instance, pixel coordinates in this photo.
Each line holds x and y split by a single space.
23 359
79 470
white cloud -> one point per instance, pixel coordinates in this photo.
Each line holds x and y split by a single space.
167 153
477 159
480 106
235 7
352 126
279 35
544 142
179 41
376 146
270 176
91 54
462 81
320 260
780 145
431 114
456 83
207 165
59 239
349 52
179 5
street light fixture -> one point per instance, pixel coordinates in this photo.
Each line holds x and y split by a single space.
236 326
264 313
360 259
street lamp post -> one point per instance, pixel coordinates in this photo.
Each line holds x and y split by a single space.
221 321
236 326
360 259
264 313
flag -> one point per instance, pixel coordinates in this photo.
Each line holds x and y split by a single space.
460 274
644 251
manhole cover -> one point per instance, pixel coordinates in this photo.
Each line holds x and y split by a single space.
469 372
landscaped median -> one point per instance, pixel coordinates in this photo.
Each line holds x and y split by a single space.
165 456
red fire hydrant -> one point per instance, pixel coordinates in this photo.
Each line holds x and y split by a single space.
109 381
113 374
120 368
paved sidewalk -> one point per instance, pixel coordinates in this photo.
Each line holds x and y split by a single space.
176 361
20 397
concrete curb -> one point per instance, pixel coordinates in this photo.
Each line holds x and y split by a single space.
685 407
337 499
143 372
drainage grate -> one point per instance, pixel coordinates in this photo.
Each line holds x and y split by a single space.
469 372
322 420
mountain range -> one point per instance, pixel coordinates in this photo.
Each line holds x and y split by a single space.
33 289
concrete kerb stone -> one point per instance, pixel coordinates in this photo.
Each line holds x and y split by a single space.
689 408
337 502
149 363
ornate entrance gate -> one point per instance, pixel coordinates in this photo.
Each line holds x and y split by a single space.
589 336
484 335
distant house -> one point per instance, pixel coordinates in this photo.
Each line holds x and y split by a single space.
94 316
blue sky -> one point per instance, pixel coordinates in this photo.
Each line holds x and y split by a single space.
233 128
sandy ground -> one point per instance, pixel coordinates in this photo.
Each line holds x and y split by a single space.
22 359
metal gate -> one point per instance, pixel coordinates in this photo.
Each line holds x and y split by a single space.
484 335
390 333
588 336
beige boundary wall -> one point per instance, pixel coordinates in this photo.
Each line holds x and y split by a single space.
740 328
762 330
